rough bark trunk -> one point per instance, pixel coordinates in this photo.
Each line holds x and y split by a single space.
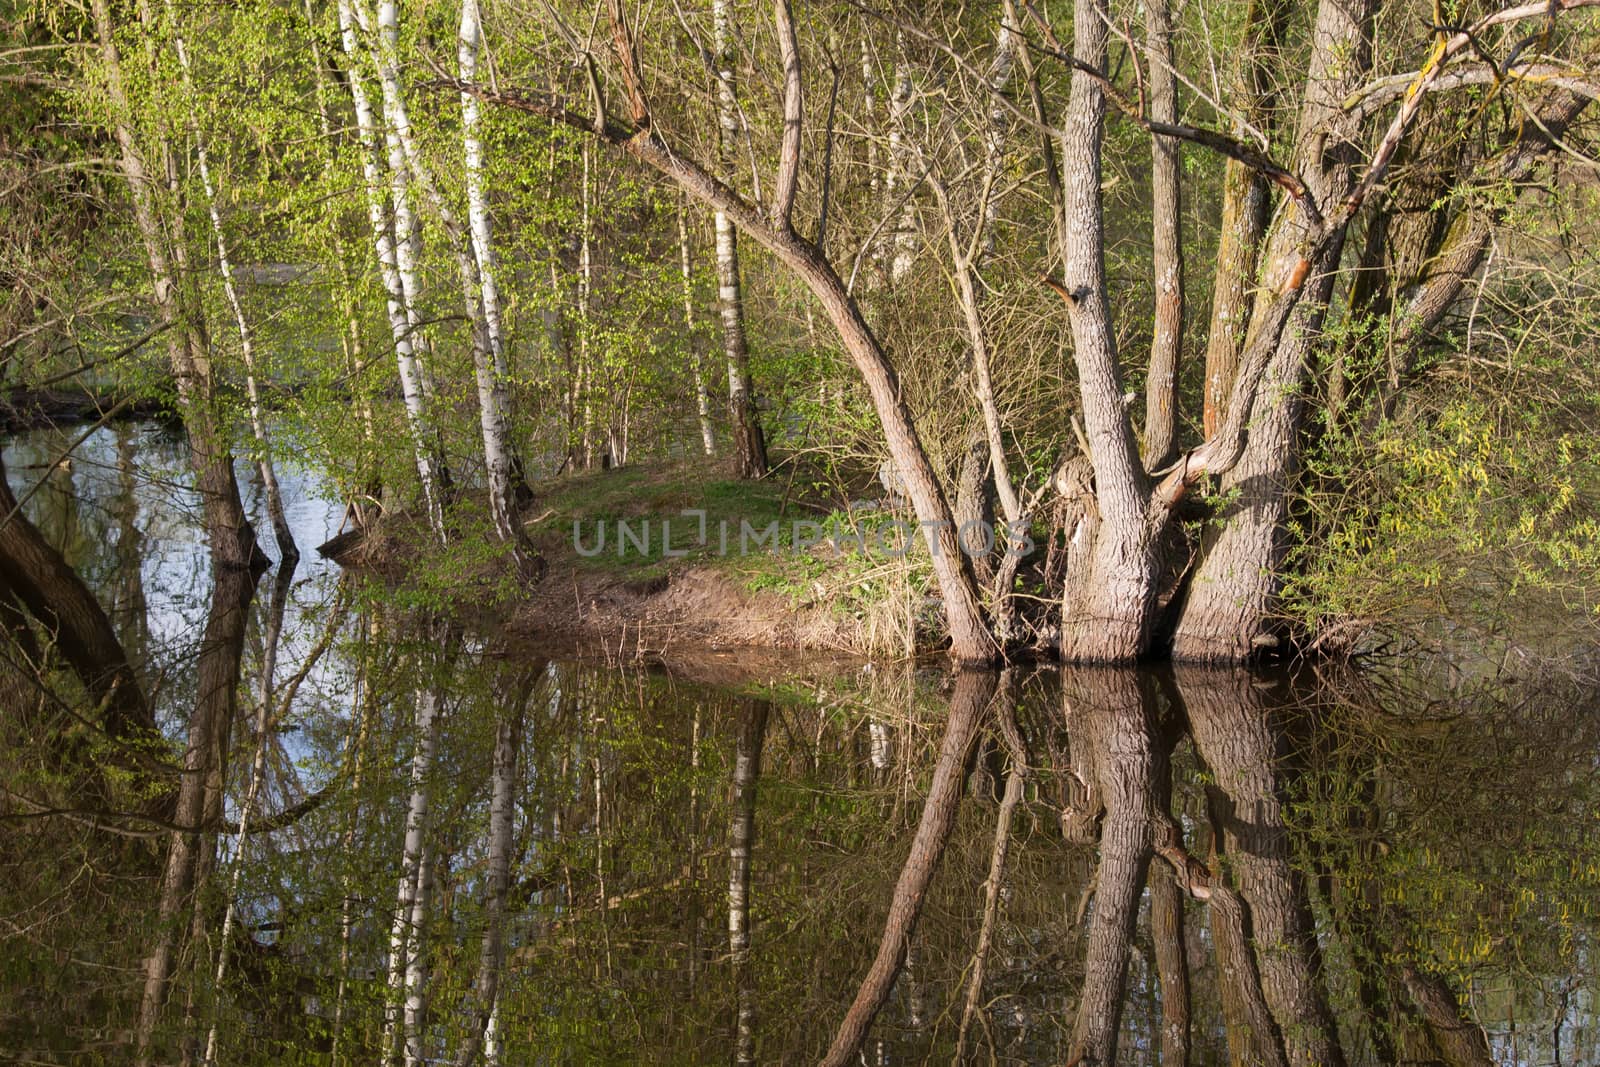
1246 200
1166 344
973 690
1229 612
1107 613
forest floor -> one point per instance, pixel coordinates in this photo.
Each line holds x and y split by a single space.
680 561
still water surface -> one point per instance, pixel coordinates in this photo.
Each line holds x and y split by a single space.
1190 866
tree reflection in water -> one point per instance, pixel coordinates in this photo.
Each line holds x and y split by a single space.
1100 866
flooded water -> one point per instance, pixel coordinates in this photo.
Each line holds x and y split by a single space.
462 848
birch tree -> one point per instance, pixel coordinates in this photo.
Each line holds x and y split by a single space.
749 443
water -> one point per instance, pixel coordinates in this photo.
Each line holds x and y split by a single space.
1394 869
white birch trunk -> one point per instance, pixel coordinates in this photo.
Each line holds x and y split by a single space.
905 224
386 244
477 200
749 445
702 398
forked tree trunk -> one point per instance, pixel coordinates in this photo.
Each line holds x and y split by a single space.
1107 611
1229 612
749 443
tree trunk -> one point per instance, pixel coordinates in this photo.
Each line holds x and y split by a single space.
749 443
970 640
1166 173
1229 615
392 267
702 399
1107 613
1246 200
481 296
287 549
232 539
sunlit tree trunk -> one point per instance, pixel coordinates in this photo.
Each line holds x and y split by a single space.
408 167
1229 612
1107 611
749 443
1246 200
